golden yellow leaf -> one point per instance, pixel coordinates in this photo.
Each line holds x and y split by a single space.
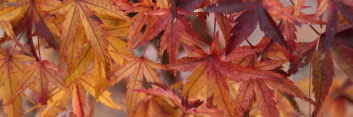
9 81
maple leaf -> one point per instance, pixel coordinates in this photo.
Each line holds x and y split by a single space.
298 5
88 83
5 23
245 24
224 24
289 30
264 95
80 101
333 6
322 63
139 68
190 5
116 46
289 104
323 73
86 58
41 73
78 14
140 19
199 22
8 65
340 49
93 39
152 106
211 69
305 53
56 103
31 12
265 99
90 20
177 30
174 100
165 93
83 23
100 77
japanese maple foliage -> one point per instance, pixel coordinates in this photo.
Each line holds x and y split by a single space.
63 57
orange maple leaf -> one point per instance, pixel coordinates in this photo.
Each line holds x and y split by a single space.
211 71
32 14
175 101
139 68
8 65
41 73
264 95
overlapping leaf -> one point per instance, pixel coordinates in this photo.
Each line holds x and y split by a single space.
82 23
211 69
80 99
174 100
323 73
8 65
136 69
41 73
32 14
140 19
80 102
56 104
254 12
106 99
323 67
177 31
333 6
341 49
305 53
264 96
82 31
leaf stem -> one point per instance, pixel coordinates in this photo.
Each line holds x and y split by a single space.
22 48
33 49
214 26
40 57
24 45
291 1
249 42
317 32
310 88
13 49
144 49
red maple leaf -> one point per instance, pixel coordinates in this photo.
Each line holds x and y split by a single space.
211 71
177 31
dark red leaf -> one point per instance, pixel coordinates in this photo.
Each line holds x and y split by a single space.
245 24
190 5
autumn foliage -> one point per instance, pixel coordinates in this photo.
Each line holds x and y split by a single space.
63 57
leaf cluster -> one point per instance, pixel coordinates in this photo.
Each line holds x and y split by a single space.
98 44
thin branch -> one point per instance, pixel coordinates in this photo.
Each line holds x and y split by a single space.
214 27
13 49
144 49
317 32
33 49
